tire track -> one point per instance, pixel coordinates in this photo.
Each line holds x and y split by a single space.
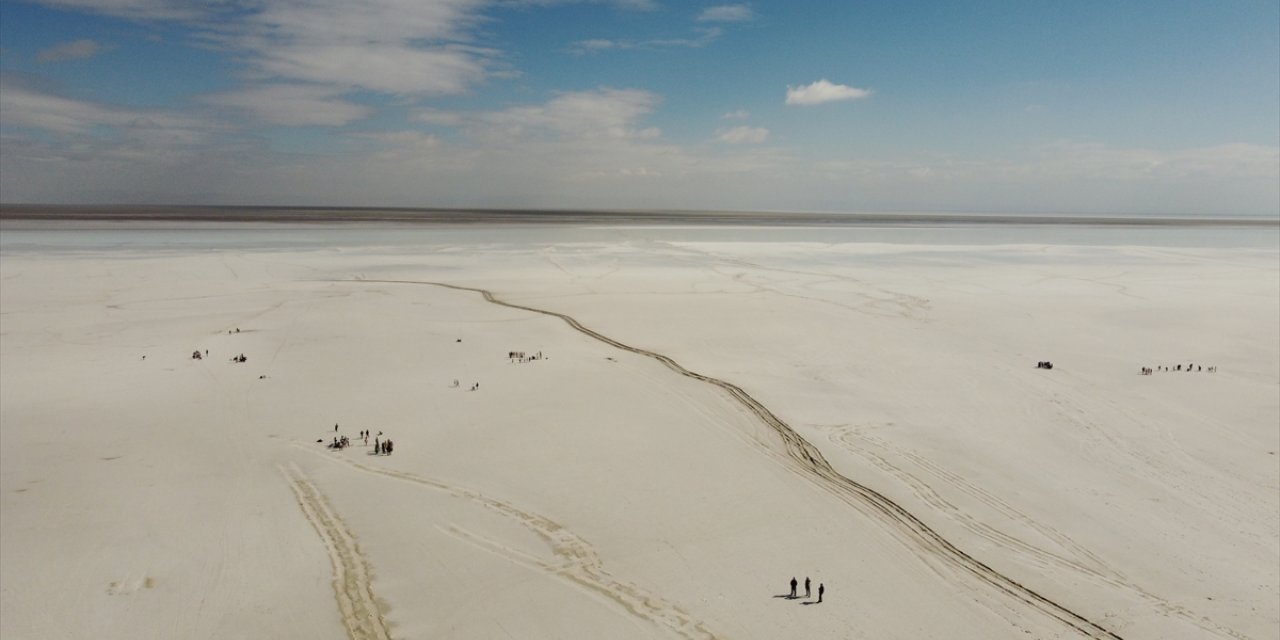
576 560
810 462
352 580
866 446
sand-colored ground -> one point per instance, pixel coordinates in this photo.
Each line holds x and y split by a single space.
709 418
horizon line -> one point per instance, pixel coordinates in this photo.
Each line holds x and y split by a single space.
564 215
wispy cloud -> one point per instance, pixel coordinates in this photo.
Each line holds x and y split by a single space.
1068 176
139 9
597 114
740 114
743 135
727 13
702 37
400 47
630 5
400 146
597 44
292 105
74 50
23 106
437 117
823 91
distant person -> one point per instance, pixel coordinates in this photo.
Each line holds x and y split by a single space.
335 427
806 586
377 446
821 589
793 587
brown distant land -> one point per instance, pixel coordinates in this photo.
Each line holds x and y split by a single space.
196 213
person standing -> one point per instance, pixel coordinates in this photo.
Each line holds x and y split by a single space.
821 590
793 587
806 587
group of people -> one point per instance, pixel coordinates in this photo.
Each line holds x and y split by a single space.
821 589
1146 371
198 355
380 447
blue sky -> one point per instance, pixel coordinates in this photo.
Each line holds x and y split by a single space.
1089 107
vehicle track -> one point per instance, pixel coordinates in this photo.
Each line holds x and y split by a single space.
811 463
352 580
575 559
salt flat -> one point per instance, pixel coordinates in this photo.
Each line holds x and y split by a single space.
600 491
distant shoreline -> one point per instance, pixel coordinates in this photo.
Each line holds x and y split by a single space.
443 216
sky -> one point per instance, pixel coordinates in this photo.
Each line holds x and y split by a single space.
1017 106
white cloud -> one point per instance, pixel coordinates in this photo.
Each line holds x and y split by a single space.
597 44
401 139
1069 177
401 47
703 36
139 9
741 135
1099 161
823 91
401 146
21 106
292 105
631 5
437 117
387 68
740 114
74 50
727 13
602 113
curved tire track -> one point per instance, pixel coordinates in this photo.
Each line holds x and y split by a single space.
814 465
576 560
352 580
